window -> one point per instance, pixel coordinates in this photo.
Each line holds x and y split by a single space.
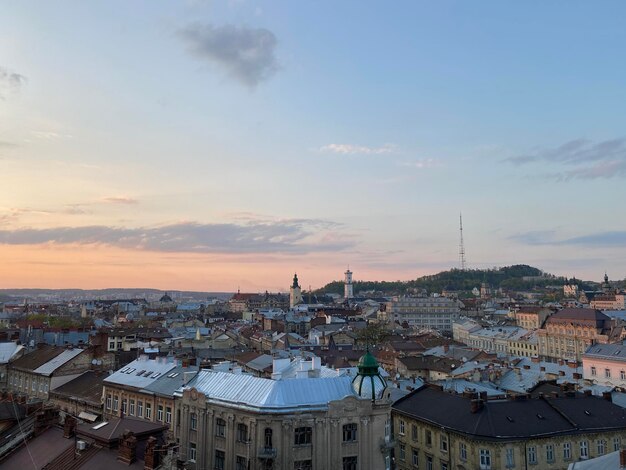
485 459
607 373
303 465
532 455
241 463
124 406
616 444
429 438
302 436
192 451
601 446
549 453
402 452
415 458
242 432
414 432
349 432
462 451
593 371
401 428
220 458
443 443
132 408
429 462
115 403
112 345
168 415
160 413
584 450
350 463
567 451
622 375
140 408
510 457
109 401
193 421
220 427
387 429
148 410
268 438
444 465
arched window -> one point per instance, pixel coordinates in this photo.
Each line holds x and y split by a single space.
268 437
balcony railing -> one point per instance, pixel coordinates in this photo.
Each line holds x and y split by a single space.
267 453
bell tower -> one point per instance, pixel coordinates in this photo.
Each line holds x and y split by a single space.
295 293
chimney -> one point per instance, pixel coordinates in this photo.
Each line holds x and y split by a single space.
446 348
577 376
69 427
475 405
607 396
561 362
562 373
572 364
622 458
535 359
127 452
527 367
483 396
555 394
587 393
542 369
151 454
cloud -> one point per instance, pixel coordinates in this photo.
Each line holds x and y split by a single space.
594 240
420 164
295 236
120 200
246 54
350 149
10 82
581 159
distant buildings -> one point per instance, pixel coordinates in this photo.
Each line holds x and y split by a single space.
436 313
348 290
605 364
295 292
568 333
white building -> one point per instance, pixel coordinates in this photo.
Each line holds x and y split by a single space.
436 313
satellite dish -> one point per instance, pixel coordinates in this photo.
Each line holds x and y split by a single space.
94 362
99 362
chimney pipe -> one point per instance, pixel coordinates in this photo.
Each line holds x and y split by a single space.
622 458
607 396
475 405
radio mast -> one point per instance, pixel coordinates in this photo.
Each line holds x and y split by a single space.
461 245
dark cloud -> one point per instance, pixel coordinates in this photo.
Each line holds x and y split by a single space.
599 239
291 236
10 81
246 54
581 159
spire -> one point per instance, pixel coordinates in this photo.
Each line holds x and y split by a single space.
295 281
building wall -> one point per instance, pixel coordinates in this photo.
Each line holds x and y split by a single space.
326 451
437 313
605 371
449 456
116 396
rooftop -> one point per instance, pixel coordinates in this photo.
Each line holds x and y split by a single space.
141 372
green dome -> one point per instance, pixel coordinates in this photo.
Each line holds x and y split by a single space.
368 365
368 383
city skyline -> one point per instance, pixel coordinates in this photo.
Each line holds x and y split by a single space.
209 146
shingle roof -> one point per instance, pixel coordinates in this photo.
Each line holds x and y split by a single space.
53 364
32 360
508 419
579 315
87 386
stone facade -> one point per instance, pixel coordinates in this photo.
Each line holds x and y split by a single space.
346 435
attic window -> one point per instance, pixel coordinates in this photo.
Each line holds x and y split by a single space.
587 413
101 425
124 369
131 370
141 372
540 416
511 420
148 374
156 375
171 376
617 352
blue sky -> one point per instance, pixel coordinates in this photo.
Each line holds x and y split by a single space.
273 137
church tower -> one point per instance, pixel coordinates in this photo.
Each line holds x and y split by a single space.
348 291
295 293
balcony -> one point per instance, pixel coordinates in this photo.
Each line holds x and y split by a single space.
267 453
386 444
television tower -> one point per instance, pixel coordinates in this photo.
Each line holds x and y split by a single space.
461 245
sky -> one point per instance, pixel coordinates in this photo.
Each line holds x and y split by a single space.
217 145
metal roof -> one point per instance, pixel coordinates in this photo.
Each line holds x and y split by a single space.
8 350
168 383
141 372
53 364
248 392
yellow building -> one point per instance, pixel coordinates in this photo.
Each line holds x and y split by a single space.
437 430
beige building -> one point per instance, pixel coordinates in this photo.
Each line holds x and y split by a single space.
306 417
568 333
38 372
435 313
532 318
439 430
144 389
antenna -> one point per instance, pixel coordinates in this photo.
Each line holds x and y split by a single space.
461 245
